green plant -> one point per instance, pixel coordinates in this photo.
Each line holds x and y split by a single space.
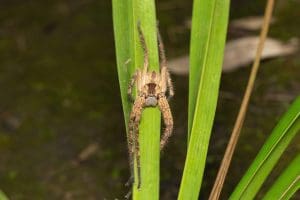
269 154
3 196
126 14
209 23
288 183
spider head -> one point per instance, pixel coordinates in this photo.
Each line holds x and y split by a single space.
151 97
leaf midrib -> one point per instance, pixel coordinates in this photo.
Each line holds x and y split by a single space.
204 65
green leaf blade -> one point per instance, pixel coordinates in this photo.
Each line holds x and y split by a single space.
126 15
123 35
288 182
209 26
268 156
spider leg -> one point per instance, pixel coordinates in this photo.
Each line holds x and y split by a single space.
131 84
144 46
130 180
163 64
170 85
133 140
128 195
162 54
168 119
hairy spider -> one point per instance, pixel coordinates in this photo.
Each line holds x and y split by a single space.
152 88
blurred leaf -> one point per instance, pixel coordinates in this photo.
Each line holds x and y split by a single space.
281 136
240 53
3 196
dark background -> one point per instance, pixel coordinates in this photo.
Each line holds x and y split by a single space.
59 94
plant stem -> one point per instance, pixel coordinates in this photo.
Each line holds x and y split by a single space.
218 185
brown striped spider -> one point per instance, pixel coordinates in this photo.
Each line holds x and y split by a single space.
152 88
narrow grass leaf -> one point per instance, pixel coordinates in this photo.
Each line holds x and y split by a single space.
123 32
281 136
126 15
209 25
288 182
206 38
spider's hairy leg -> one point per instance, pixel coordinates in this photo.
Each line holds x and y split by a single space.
134 147
165 74
131 141
131 84
145 49
162 54
168 120
170 85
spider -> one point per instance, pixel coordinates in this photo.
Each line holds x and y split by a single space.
154 89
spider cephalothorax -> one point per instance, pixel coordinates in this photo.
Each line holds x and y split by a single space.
152 88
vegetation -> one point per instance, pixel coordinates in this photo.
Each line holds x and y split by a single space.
3 196
126 15
209 24
269 154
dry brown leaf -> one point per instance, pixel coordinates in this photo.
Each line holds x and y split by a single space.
87 152
251 23
240 53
